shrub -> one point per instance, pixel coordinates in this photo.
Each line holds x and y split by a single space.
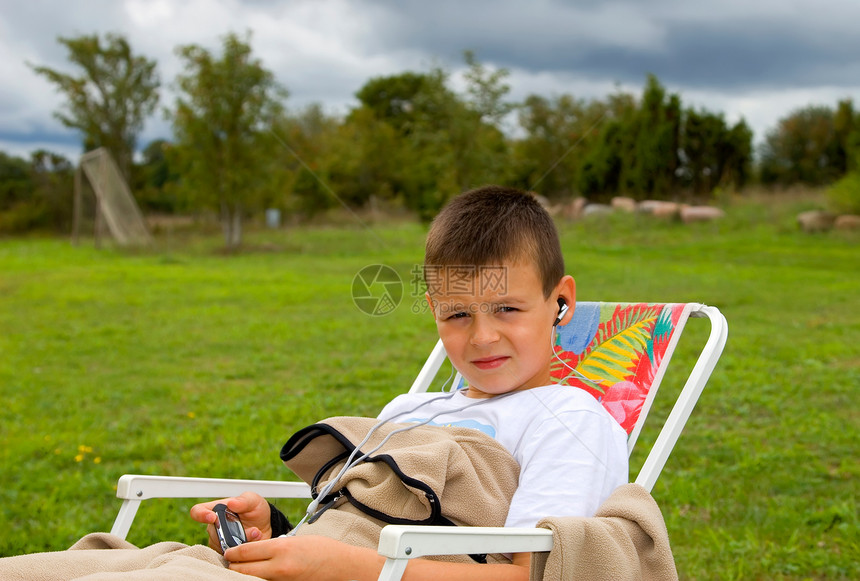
23 217
844 195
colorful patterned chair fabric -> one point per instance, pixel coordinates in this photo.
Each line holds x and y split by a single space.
618 353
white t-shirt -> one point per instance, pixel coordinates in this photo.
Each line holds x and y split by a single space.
572 453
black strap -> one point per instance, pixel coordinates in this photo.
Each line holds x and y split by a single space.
280 524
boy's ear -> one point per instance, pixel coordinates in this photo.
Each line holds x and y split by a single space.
566 290
430 303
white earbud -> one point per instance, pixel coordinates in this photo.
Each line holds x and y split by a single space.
562 311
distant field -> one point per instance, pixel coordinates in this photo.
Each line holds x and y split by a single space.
186 360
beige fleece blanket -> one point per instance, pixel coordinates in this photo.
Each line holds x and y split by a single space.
104 557
625 540
470 477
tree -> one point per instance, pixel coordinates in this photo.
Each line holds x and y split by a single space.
846 127
712 153
638 150
416 139
36 194
737 155
315 157
367 161
53 178
608 155
112 97
658 131
223 119
155 178
652 149
558 133
844 195
487 90
397 99
481 151
422 112
16 186
804 147
704 134
603 162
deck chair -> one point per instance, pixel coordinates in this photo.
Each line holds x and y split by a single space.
618 352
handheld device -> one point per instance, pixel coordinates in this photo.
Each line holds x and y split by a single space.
228 527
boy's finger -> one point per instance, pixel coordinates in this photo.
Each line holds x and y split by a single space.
252 568
245 502
203 512
249 552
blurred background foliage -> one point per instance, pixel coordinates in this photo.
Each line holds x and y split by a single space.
411 141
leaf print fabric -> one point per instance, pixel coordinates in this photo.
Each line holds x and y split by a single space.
624 345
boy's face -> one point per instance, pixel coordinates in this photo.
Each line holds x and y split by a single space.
496 324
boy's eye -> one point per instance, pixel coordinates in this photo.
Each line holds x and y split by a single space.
504 309
459 315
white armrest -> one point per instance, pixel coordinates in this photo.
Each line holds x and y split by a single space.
409 542
399 543
142 487
133 488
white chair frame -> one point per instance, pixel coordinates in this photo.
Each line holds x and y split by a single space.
400 543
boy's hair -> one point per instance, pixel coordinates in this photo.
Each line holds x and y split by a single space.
492 224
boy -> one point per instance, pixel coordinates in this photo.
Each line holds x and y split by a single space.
497 289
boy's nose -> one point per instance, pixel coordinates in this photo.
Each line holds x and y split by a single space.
483 332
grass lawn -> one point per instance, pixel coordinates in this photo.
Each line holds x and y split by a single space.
183 360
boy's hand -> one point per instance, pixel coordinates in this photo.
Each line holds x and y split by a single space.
301 558
252 509
314 558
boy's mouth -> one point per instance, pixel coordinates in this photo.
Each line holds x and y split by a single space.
490 362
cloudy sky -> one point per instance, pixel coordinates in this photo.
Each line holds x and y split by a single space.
756 59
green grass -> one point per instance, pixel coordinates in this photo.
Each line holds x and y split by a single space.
184 360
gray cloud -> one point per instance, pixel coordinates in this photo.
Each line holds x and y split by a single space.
625 41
